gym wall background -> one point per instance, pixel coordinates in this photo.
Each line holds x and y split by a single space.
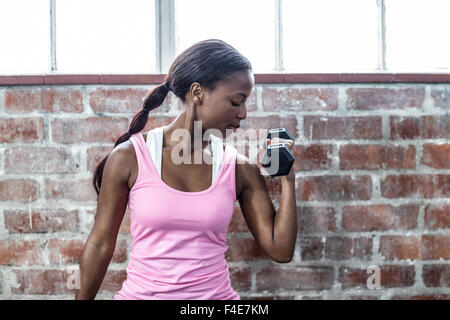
372 179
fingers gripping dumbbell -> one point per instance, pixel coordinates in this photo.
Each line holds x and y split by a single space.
278 159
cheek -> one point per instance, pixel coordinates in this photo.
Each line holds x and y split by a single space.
223 115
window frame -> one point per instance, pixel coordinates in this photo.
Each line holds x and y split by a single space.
165 44
165 37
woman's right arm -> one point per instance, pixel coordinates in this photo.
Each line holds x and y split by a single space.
111 207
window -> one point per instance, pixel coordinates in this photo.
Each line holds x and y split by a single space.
417 35
330 35
249 26
277 36
25 36
105 36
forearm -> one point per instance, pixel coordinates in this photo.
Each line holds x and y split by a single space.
285 222
93 266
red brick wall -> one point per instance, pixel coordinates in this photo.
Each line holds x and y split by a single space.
372 180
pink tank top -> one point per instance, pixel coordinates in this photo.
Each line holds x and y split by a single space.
179 238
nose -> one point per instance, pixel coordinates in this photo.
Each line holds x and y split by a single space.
242 112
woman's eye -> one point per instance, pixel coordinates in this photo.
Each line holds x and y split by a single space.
234 104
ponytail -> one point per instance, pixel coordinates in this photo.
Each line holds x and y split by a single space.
153 99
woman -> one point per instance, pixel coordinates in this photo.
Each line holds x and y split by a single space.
179 219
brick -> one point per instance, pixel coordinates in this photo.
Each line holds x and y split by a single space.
273 186
120 252
427 247
240 278
385 98
69 251
437 216
42 221
299 99
435 127
35 159
311 248
342 248
425 127
415 186
436 275
295 278
159 121
372 157
244 249
334 188
404 127
99 129
379 217
23 190
238 223
316 219
327 127
21 252
21 130
312 157
436 155
441 96
42 281
78 190
391 276
54 100
435 247
113 280
65 251
120 100
400 247
4 252
127 100
95 155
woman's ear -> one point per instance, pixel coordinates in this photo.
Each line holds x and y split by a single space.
197 93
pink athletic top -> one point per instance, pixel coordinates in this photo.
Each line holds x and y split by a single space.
178 237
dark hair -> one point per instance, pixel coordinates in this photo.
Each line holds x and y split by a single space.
206 62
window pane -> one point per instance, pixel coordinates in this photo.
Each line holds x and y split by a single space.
330 35
24 36
105 36
417 35
249 26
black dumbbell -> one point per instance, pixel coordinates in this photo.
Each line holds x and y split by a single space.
278 159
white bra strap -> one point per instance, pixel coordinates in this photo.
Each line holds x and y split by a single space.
217 155
154 145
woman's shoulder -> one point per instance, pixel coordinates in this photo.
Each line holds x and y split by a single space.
125 151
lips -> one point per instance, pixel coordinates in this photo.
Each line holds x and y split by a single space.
233 127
